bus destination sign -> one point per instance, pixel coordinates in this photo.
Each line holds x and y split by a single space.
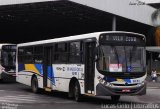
7 47
119 38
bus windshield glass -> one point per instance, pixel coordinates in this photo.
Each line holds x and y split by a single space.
8 56
121 58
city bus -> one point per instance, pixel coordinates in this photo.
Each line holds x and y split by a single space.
94 64
7 61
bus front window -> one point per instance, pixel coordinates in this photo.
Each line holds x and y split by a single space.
8 59
121 59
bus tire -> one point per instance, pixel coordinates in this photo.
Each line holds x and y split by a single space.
34 85
77 94
115 98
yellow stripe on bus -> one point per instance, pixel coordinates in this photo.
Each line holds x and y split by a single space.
31 67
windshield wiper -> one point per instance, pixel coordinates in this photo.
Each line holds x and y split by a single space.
125 58
131 54
117 56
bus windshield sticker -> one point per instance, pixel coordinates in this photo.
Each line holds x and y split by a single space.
115 67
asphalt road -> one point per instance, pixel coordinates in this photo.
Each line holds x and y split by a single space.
18 96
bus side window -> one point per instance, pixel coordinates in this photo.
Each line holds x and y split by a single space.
21 55
29 55
38 54
25 55
75 52
60 53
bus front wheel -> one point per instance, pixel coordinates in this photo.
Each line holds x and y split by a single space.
115 98
34 85
77 94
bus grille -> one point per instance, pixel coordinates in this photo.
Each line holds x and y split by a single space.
124 84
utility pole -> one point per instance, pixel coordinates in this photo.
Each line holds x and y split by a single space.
114 23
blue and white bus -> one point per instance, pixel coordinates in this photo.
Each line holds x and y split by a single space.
7 61
95 64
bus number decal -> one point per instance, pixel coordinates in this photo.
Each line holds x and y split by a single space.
136 81
74 73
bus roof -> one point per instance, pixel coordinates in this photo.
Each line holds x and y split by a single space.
75 37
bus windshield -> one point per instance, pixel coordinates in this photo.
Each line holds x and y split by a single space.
121 59
8 57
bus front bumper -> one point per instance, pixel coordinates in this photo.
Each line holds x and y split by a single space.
102 90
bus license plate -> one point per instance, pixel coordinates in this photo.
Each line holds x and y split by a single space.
126 90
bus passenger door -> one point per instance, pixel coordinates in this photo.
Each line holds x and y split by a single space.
47 66
89 56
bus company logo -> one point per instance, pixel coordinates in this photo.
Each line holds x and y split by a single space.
38 61
75 69
60 68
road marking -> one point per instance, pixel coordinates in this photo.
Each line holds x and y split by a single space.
6 101
33 99
153 87
19 99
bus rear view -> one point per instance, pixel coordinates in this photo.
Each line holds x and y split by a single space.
121 61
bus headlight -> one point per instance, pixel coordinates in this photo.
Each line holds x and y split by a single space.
102 81
109 84
141 84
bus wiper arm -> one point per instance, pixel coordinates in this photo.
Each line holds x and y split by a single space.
131 54
117 56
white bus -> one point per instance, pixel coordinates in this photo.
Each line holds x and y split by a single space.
95 64
7 61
